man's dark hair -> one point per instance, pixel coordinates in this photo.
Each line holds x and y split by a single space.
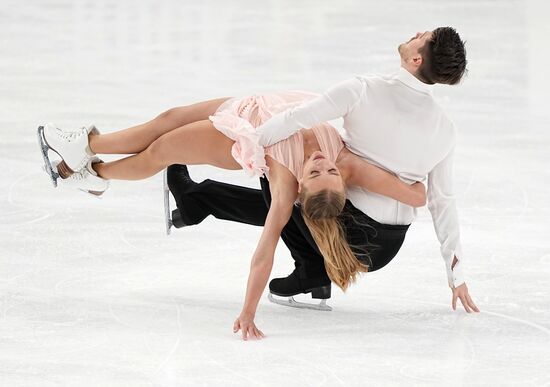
444 57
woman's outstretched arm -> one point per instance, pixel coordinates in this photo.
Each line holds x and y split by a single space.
284 190
363 174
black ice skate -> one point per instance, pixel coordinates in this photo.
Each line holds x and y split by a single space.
293 285
176 181
44 148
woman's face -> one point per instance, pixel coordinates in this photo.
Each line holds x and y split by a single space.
319 173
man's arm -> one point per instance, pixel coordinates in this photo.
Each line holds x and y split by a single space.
441 203
336 102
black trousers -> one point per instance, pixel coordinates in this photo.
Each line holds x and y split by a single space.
250 206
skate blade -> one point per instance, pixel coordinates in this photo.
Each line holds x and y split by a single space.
95 194
167 218
290 301
44 148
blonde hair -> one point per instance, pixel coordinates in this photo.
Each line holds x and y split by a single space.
320 211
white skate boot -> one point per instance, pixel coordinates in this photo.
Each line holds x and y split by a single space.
71 146
85 180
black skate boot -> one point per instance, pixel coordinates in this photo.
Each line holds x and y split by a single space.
292 285
178 182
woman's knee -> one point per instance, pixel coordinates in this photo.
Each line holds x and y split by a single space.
173 115
158 152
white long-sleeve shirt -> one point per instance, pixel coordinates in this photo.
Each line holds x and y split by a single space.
395 123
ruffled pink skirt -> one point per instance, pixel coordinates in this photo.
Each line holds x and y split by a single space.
238 118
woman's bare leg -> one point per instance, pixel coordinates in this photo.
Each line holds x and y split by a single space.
196 143
138 138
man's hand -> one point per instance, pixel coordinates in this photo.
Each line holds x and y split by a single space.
462 293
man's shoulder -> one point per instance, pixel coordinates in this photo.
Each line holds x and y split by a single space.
448 127
365 79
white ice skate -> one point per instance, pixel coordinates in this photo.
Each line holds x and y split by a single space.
85 180
167 213
71 146
290 301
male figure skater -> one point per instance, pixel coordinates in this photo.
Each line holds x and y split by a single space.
393 122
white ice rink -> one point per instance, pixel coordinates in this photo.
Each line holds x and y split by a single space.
93 293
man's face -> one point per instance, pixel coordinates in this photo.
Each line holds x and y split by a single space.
411 49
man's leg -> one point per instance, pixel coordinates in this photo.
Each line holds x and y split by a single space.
310 274
308 259
196 201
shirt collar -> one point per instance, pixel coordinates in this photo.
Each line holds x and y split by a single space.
413 82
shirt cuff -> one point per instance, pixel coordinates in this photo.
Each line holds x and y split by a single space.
455 276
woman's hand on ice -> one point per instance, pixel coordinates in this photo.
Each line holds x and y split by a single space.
245 322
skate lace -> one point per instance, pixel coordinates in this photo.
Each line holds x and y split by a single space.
72 135
81 175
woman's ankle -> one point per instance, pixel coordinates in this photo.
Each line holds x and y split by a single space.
93 142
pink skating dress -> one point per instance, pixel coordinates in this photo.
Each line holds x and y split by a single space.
238 118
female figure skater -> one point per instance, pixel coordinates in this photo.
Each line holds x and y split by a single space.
312 166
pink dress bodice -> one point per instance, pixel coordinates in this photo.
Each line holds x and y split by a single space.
239 118
290 152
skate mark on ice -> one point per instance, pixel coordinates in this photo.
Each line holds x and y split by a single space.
324 374
76 279
16 212
176 344
84 273
127 325
483 312
525 198
411 372
457 369
12 186
199 349
22 275
132 245
36 220
40 218
521 321
322 369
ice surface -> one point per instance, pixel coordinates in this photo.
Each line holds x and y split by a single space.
93 293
